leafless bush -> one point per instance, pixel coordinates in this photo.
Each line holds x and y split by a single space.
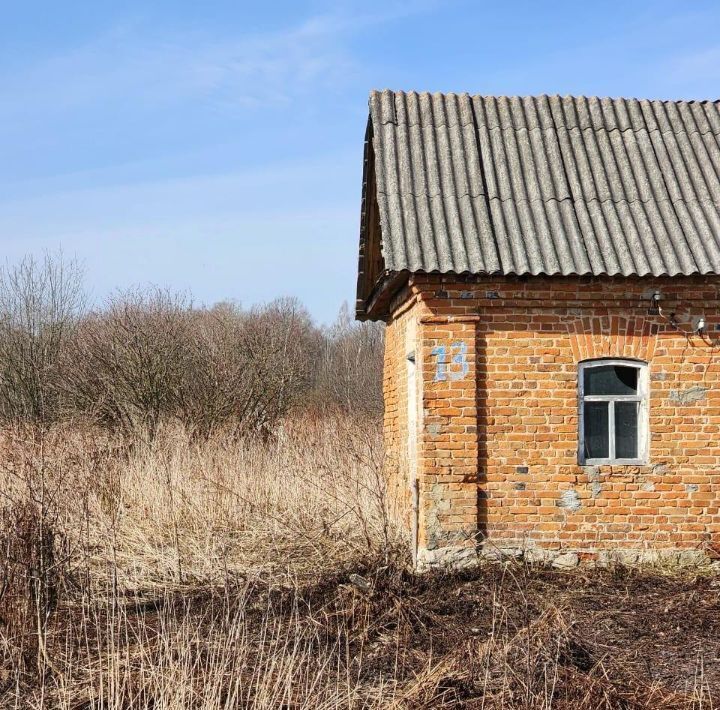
128 361
281 345
40 305
244 369
214 378
153 358
150 357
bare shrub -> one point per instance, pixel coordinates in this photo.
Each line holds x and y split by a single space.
41 302
244 369
350 373
128 361
281 346
150 358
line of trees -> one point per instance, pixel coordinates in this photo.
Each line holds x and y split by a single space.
151 357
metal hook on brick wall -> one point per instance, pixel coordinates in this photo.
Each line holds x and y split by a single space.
699 325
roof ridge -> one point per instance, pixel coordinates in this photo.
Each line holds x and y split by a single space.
587 97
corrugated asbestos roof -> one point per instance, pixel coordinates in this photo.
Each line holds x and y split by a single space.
547 185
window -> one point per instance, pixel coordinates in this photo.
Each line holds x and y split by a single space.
613 412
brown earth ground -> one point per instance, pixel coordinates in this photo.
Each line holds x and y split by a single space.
500 636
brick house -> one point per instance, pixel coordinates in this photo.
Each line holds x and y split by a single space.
548 269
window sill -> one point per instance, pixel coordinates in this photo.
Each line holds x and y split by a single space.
614 462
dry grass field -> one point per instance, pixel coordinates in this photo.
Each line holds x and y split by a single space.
263 572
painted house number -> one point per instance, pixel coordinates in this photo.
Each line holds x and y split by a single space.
457 368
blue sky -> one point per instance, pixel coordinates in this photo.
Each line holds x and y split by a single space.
216 147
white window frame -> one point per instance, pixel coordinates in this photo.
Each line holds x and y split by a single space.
643 399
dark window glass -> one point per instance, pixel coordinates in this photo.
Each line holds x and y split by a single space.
611 379
597 441
626 430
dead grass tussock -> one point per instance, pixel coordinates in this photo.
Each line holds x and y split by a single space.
180 513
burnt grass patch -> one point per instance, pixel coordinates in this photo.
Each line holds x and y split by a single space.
507 635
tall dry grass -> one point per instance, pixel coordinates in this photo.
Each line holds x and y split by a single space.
178 574
263 573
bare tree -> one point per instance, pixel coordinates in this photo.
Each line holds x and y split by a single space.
150 356
41 302
281 345
351 370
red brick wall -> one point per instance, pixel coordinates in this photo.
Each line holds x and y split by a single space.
399 341
498 424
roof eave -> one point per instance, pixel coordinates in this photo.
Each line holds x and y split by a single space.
376 306
371 271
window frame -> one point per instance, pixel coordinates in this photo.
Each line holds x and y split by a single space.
642 398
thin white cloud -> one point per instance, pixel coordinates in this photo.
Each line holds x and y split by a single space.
257 190
251 69
702 65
